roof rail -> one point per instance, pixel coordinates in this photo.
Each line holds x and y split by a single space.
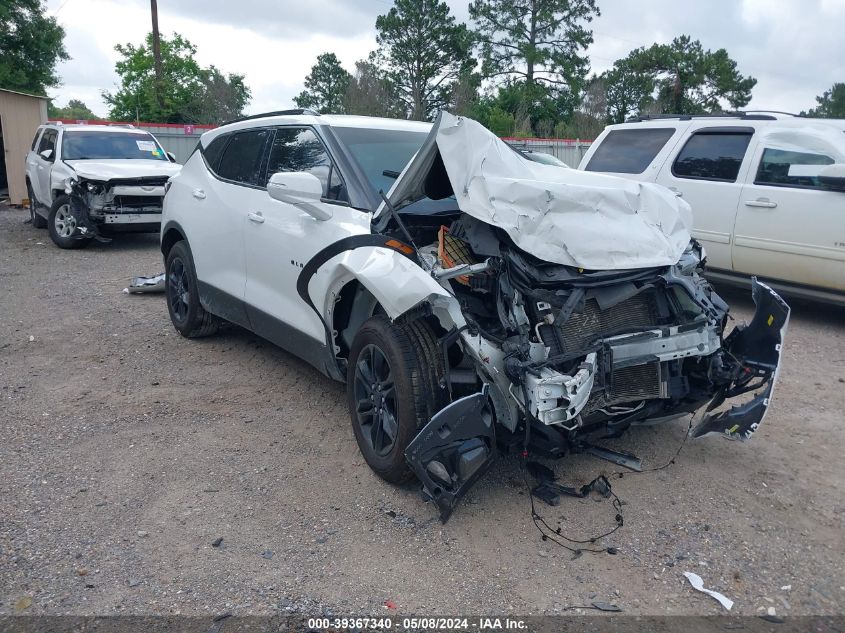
275 113
750 115
778 112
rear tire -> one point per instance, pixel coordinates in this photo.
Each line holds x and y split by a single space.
38 222
62 225
183 302
393 389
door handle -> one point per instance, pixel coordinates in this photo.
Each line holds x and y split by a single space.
761 202
199 194
255 217
674 190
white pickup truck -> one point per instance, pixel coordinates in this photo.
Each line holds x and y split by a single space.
767 191
92 181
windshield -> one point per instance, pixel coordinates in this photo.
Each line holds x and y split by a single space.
83 144
380 151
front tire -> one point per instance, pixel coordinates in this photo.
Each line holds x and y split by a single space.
38 222
393 389
62 225
183 301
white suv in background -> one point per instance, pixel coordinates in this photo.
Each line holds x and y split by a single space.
92 181
767 191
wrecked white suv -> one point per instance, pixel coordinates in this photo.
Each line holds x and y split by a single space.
88 182
485 300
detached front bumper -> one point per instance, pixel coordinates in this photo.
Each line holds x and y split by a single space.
757 347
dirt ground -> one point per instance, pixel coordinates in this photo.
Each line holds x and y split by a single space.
127 450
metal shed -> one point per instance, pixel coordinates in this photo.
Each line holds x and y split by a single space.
20 115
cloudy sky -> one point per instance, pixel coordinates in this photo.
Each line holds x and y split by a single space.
795 48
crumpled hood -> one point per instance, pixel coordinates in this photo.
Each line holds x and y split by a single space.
121 168
563 216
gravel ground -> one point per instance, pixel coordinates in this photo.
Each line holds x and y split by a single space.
127 451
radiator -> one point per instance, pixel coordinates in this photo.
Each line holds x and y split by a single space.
583 327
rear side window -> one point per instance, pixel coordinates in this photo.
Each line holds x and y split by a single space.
629 151
299 149
775 164
243 158
712 156
214 150
35 139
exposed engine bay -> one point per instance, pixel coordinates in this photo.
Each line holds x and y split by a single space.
125 204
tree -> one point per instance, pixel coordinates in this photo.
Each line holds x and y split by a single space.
325 86
424 52
831 104
537 49
490 114
464 94
627 91
75 109
678 78
370 93
187 93
31 44
224 97
589 119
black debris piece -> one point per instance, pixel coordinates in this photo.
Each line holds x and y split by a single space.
540 472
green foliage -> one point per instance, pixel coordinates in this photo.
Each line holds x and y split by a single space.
487 112
187 93
370 93
535 49
31 44
831 103
325 86
424 52
75 109
678 78
628 91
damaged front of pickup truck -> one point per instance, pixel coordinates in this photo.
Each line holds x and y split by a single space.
546 310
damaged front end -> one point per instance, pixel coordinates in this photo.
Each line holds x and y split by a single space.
101 207
562 355
563 359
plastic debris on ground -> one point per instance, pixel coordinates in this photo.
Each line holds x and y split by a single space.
698 584
142 285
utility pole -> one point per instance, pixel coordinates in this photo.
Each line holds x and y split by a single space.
157 54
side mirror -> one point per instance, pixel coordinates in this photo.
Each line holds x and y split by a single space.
47 154
302 190
833 176
171 156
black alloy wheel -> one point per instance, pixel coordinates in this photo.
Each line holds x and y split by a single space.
375 398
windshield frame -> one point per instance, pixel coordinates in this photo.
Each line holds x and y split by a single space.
139 135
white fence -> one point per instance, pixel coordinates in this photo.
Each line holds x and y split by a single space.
178 139
568 150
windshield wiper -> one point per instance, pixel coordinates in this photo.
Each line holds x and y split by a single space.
390 174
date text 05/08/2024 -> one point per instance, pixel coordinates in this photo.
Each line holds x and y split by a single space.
418 623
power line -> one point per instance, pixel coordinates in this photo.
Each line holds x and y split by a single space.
61 6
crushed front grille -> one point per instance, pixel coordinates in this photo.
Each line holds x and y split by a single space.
583 327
